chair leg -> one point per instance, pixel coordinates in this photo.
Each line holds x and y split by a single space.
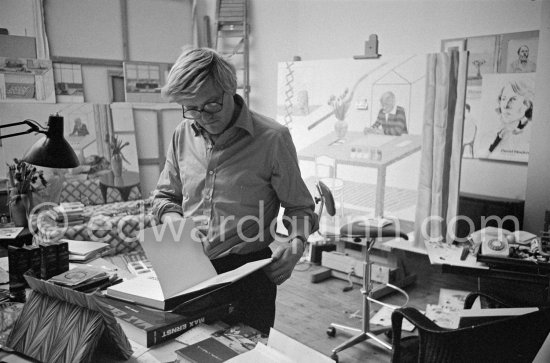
365 332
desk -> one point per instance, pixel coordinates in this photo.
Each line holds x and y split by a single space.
523 287
23 238
393 148
123 184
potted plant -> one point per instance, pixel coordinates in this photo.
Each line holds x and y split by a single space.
24 180
117 156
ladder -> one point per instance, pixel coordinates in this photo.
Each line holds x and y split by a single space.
232 39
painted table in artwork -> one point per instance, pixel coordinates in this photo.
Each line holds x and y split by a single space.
365 150
123 183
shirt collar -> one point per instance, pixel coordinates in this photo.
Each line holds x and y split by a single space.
244 120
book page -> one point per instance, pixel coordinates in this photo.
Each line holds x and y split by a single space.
230 276
178 260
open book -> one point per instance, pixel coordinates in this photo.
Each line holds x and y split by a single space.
181 269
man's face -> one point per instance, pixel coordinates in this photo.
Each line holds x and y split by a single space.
523 54
387 104
213 123
512 105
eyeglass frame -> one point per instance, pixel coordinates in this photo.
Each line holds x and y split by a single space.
199 114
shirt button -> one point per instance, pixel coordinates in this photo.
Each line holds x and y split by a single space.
207 197
211 172
205 222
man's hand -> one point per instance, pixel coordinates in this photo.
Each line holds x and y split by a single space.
170 216
284 260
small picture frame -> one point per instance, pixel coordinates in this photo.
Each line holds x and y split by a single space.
447 44
518 52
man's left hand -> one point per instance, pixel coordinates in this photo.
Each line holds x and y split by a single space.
284 260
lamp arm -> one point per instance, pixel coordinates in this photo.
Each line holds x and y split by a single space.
33 127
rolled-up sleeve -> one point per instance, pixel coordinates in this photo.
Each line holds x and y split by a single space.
169 190
295 198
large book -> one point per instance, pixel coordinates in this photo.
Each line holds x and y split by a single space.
149 327
182 271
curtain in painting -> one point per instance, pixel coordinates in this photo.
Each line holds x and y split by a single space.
439 179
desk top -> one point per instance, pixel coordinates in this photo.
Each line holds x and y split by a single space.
392 148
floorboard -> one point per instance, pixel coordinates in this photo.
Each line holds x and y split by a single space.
305 310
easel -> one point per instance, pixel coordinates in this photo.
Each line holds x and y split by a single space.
58 324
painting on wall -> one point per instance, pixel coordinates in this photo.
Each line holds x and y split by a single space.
26 80
143 80
366 119
506 110
483 56
518 52
498 53
68 83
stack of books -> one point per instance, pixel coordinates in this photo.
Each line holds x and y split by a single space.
85 251
85 279
69 214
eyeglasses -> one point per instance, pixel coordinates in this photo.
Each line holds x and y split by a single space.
195 113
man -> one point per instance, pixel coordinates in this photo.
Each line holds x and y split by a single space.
522 64
390 117
230 169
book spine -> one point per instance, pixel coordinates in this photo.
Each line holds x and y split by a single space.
34 259
18 264
161 334
48 260
62 257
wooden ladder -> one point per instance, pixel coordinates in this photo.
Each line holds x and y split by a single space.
232 39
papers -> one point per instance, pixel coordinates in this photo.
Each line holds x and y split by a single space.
444 316
10 232
383 318
281 349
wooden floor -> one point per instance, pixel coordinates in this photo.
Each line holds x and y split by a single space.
305 309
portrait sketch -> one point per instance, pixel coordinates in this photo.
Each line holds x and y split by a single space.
506 110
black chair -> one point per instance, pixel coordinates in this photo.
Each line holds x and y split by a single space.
511 339
359 231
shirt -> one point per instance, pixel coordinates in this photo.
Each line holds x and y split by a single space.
233 189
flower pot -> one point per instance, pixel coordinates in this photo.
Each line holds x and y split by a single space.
116 165
20 207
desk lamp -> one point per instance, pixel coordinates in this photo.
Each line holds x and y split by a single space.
51 151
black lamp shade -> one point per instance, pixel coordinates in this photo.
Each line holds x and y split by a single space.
52 151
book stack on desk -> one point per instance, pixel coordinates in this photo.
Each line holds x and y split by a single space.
150 327
70 214
85 251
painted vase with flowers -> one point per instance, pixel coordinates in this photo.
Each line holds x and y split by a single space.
117 156
24 180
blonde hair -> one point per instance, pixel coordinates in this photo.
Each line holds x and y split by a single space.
193 67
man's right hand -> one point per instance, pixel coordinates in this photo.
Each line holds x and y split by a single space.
173 216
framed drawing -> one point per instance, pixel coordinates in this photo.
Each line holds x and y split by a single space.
483 55
518 52
26 80
506 109
143 80
68 83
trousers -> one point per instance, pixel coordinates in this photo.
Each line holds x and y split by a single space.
255 293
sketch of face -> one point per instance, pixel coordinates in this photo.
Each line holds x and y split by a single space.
512 105
523 53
